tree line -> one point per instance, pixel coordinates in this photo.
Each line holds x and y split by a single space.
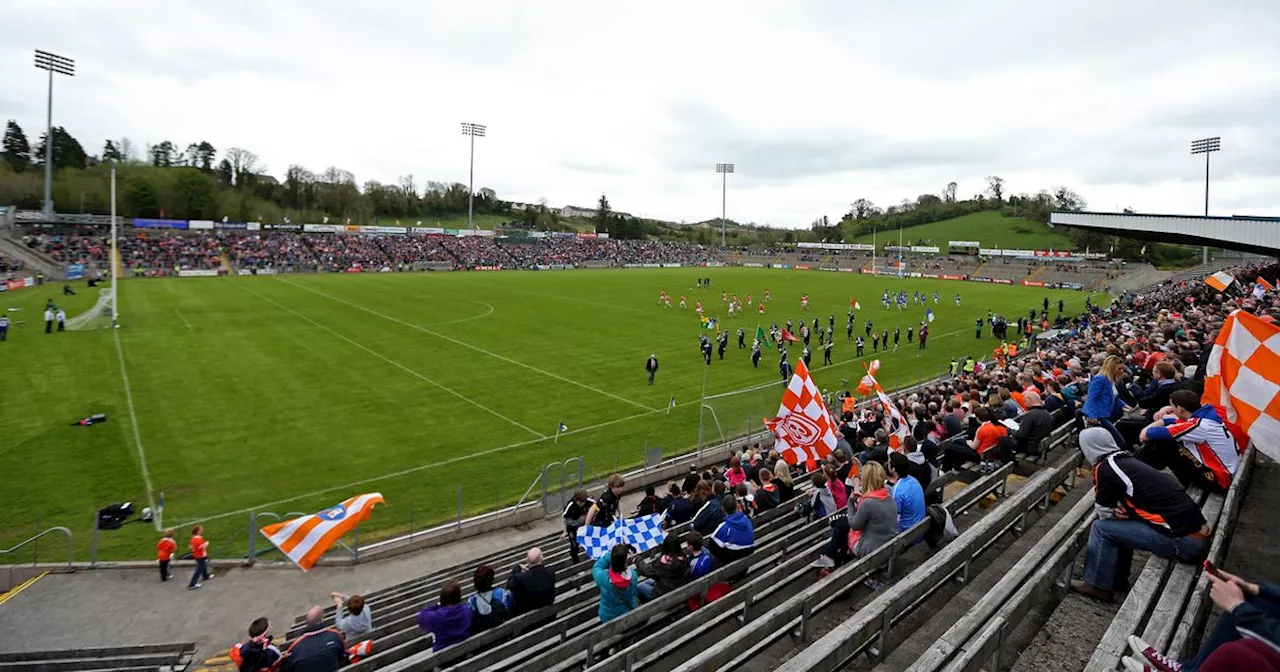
199 182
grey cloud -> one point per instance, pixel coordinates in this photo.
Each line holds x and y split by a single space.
705 137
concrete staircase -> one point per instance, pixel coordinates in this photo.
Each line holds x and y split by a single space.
35 262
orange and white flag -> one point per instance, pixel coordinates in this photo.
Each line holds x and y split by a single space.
804 430
307 538
1265 285
1242 379
1220 280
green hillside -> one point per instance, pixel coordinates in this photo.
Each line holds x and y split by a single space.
989 228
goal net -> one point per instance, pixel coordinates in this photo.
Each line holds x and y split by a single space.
97 317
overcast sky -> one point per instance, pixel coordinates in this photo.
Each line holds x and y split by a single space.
817 102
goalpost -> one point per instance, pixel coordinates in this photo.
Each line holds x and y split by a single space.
97 317
105 313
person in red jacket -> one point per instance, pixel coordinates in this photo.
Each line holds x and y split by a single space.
164 553
200 552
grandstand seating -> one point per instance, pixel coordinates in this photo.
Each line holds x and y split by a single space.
142 658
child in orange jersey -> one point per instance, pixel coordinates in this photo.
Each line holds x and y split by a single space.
200 552
164 552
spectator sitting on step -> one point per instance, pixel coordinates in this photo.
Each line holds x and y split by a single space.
736 474
1251 613
782 479
908 494
352 616
318 649
1034 425
616 581
700 560
449 620
1193 442
870 521
680 509
665 573
710 514
532 585
1138 508
489 606
735 537
650 503
766 496
257 653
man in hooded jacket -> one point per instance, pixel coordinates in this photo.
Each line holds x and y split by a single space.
1138 508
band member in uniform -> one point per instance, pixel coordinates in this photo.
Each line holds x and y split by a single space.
755 354
807 355
826 354
742 337
722 343
860 343
706 350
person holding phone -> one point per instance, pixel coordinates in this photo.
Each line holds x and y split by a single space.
1247 636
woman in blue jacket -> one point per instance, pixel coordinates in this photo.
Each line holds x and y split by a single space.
1102 403
617 583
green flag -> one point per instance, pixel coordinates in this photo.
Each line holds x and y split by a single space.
760 336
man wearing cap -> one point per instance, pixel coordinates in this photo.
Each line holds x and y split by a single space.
651 367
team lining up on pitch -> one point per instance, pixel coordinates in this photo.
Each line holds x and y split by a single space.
777 337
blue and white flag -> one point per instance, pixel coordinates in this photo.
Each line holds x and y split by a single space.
562 428
642 533
928 314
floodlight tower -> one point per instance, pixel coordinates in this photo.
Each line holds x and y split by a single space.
474 131
62 66
724 169
1206 146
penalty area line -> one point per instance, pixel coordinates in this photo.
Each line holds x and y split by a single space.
394 363
137 436
468 345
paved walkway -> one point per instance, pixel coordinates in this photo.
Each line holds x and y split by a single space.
117 607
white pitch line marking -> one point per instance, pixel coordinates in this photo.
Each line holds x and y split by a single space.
184 320
468 345
394 363
465 319
133 420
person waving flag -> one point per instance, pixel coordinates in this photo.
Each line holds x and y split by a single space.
304 540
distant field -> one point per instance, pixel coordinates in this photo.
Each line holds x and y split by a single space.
989 228
291 393
485 221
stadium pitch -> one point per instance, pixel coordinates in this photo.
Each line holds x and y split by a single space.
289 393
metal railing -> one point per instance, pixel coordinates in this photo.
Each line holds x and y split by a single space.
35 538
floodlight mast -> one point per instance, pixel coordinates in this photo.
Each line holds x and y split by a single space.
473 131
1206 146
724 169
61 65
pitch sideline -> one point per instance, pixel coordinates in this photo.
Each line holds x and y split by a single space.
394 363
468 345
137 436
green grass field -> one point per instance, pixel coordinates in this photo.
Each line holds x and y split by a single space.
990 228
291 393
